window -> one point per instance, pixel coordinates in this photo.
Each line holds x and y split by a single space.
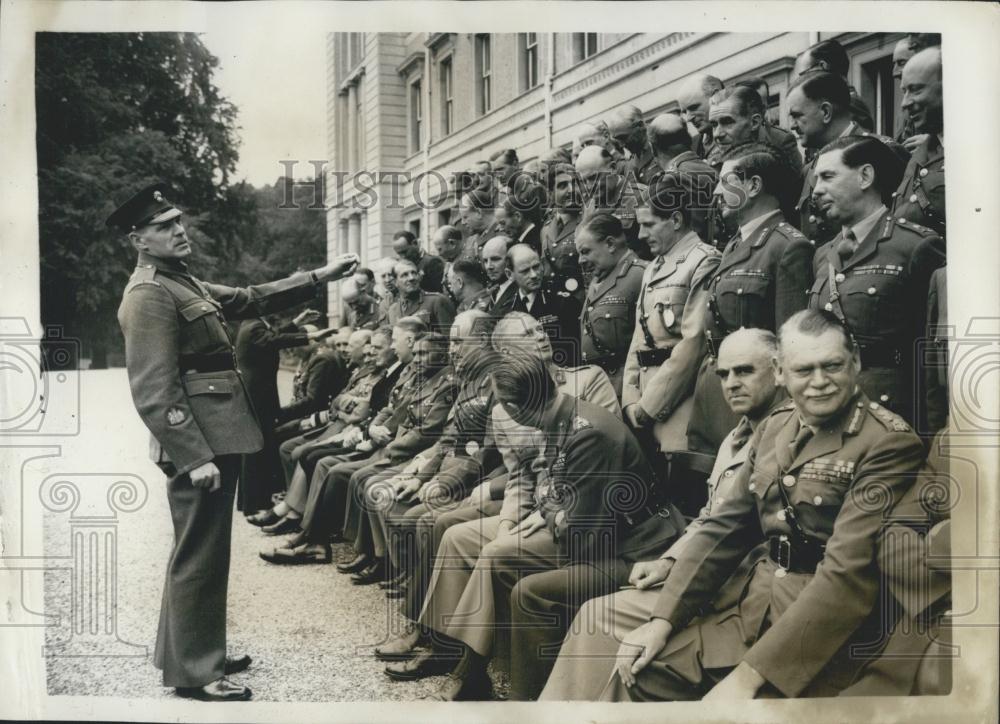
484 62
444 217
358 155
878 90
772 113
447 107
413 226
529 51
416 116
584 46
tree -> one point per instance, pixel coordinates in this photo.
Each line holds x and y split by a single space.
116 111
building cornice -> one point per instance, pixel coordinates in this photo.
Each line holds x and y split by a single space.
411 63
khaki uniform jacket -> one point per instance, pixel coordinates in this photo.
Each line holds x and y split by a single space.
762 281
841 485
422 415
559 254
883 288
516 442
169 319
435 309
920 196
674 306
608 317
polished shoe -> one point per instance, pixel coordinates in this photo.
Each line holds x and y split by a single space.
474 687
399 649
264 517
358 563
304 554
284 525
236 664
373 574
421 665
219 690
295 540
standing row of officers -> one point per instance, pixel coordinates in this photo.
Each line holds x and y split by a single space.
495 487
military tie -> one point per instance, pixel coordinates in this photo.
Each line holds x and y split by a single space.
803 436
741 435
734 242
847 245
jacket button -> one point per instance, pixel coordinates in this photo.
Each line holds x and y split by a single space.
780 573
812 218
204 309
740 290
788 480
211 388
780 515
872 290
913 198
828 307
839 278
923 172
818 500
728 473
752 486
884 398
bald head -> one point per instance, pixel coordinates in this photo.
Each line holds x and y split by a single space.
627 128
923 99
592 161
668 135
525 268
349 291
494 258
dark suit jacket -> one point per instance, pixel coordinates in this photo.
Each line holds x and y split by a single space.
257 348
559 314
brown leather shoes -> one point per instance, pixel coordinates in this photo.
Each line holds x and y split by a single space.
219 690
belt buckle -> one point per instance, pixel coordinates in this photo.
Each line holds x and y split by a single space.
663 512
784 556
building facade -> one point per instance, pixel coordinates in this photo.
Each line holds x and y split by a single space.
407 110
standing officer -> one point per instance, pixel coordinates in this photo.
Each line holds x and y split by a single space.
669 342
604 190
763 278
433 308
608 316
920 197
188 392
562 269
628 130
820 477
875 274
819 112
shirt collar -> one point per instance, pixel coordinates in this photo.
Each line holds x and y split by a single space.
864 227
749 228
178 266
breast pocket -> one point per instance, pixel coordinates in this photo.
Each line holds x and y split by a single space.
665 307
874 304
611 327
202 330
817 503
746 301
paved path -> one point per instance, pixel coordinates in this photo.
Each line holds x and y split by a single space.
308 629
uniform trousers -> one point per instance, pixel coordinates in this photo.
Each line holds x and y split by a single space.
460 602
325 506
432 526
395 527
191 637
541 607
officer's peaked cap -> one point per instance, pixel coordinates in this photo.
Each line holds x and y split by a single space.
149 206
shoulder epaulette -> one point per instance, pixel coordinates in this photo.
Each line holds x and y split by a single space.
789 229
912 226
143 275
888 418
787 406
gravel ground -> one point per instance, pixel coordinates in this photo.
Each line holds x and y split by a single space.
309 631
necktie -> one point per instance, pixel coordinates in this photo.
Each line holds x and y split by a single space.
803 436
734 242
847 245
741 435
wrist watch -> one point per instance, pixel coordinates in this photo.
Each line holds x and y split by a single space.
315 279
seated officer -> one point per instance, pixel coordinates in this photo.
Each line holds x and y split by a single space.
820 475
587 658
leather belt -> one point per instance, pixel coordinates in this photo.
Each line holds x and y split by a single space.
879 356
653 357
218 362
645 513
801 557
605 360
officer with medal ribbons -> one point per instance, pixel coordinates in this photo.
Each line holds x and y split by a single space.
875 274
189 393
763 277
